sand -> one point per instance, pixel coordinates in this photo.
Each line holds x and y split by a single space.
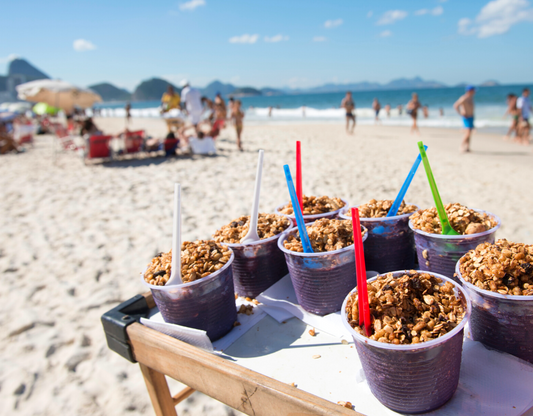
74 238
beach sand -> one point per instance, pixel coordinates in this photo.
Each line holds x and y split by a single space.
74 238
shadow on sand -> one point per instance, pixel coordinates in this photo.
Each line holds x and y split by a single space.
156 160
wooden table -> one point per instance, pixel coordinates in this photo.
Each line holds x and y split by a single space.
158 355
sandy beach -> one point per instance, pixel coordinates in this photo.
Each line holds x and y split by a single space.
74 238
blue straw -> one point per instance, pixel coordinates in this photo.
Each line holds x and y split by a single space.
401 195
297 212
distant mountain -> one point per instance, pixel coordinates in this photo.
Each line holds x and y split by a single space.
490 83
3 83
218 87
20 66
151 89
271 91
416 82
245 92
109 92
397 84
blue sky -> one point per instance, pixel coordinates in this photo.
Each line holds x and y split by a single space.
276 43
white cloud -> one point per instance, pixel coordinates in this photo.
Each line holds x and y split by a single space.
329 24
277 38
385 34
437 11
82 45
8 58
319 39
191 5
369 14
496 18
391 16
246 38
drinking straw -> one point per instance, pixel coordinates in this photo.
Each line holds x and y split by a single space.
251 235
403 190
175 274
299 191
362 290
445 224
297 212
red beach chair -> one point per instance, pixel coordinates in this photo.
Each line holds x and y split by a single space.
134 141
99 147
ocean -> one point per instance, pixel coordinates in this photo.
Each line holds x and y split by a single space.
324 107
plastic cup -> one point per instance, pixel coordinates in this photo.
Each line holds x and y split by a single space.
439 253
320 280
502 322
314 217
390 244
257 265
207 303
413 378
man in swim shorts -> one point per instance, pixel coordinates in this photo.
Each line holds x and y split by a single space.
465 107
348 104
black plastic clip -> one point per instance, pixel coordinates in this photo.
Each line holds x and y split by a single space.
116 321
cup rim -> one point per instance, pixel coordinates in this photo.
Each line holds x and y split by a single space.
486 292
254 243
193 283
462 236
395 217
409 347
311 216
296 253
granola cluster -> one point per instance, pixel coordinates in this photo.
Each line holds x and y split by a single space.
462 219
380 208
198 259
268 225
315 205
503 267
325 235
410 309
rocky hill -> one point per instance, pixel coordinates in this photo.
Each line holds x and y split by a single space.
109 92
151 89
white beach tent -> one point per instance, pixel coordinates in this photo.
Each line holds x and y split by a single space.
58 94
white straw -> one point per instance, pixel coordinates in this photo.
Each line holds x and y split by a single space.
175 276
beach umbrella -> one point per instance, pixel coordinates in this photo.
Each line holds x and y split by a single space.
43 108
58 93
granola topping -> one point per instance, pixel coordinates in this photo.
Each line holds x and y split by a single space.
325 235
198 259
315 205
462 219
268 225
410 309
503 267
380 208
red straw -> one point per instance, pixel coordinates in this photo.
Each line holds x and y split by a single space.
362 290
299 174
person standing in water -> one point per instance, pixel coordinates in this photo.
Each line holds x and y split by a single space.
349 106
465 107
376 106
514 112
237 115
412 108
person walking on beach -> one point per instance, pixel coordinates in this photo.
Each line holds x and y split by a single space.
349 106
400 108
425 111
237 115
412 108
524 104
128 113
376 106
170 100
192 100
514 112
387 110
465 107
221 112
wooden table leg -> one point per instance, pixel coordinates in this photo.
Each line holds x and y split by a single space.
157 387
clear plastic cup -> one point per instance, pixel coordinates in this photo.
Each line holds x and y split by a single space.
257 265
320 280
502 322
312 218
390 244
413 378
439 253
207 303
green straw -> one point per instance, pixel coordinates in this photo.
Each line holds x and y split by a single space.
445 224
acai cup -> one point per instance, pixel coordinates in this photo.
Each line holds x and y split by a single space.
315 208
422 375
390 244
322 279
206 303
439 253
499 279
260 264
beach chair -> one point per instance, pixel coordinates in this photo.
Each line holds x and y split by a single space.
23 133
98 147
133 141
